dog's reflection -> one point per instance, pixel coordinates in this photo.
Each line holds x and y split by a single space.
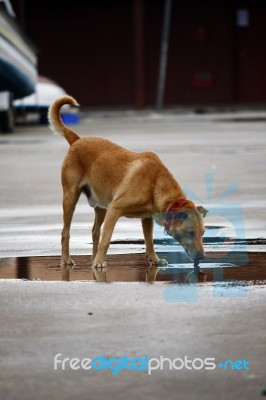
152 274
99 274
65 273
195 276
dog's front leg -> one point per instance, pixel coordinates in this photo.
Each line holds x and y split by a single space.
96 230
112 215
147 226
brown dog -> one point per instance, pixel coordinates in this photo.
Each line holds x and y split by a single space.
119 182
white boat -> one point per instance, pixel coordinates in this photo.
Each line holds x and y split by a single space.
18 58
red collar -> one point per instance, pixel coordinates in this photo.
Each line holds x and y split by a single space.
179 203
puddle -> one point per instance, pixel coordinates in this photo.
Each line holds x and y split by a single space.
249 267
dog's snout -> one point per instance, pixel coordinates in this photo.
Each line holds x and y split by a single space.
200 256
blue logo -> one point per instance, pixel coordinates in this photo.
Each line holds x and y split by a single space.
232 365
224 243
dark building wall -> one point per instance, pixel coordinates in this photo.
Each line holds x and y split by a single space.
106 52
200 61
86 47
215 57
200 49
249 56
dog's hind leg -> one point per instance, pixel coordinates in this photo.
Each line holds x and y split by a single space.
96 230
70 199
147 226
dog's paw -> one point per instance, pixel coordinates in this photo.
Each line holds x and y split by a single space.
67 263
154 260
162 262
157 261
97 264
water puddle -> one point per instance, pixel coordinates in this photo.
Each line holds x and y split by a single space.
249 267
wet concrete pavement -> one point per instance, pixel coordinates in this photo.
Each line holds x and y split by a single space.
208 154
85 320
220 158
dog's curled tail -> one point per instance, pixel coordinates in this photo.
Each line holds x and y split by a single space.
55 121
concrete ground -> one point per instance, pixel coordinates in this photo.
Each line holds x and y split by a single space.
207 154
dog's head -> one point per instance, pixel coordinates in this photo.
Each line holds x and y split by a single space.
184 222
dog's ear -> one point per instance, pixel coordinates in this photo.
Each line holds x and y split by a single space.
202 210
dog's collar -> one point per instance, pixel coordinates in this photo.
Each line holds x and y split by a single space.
176 205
